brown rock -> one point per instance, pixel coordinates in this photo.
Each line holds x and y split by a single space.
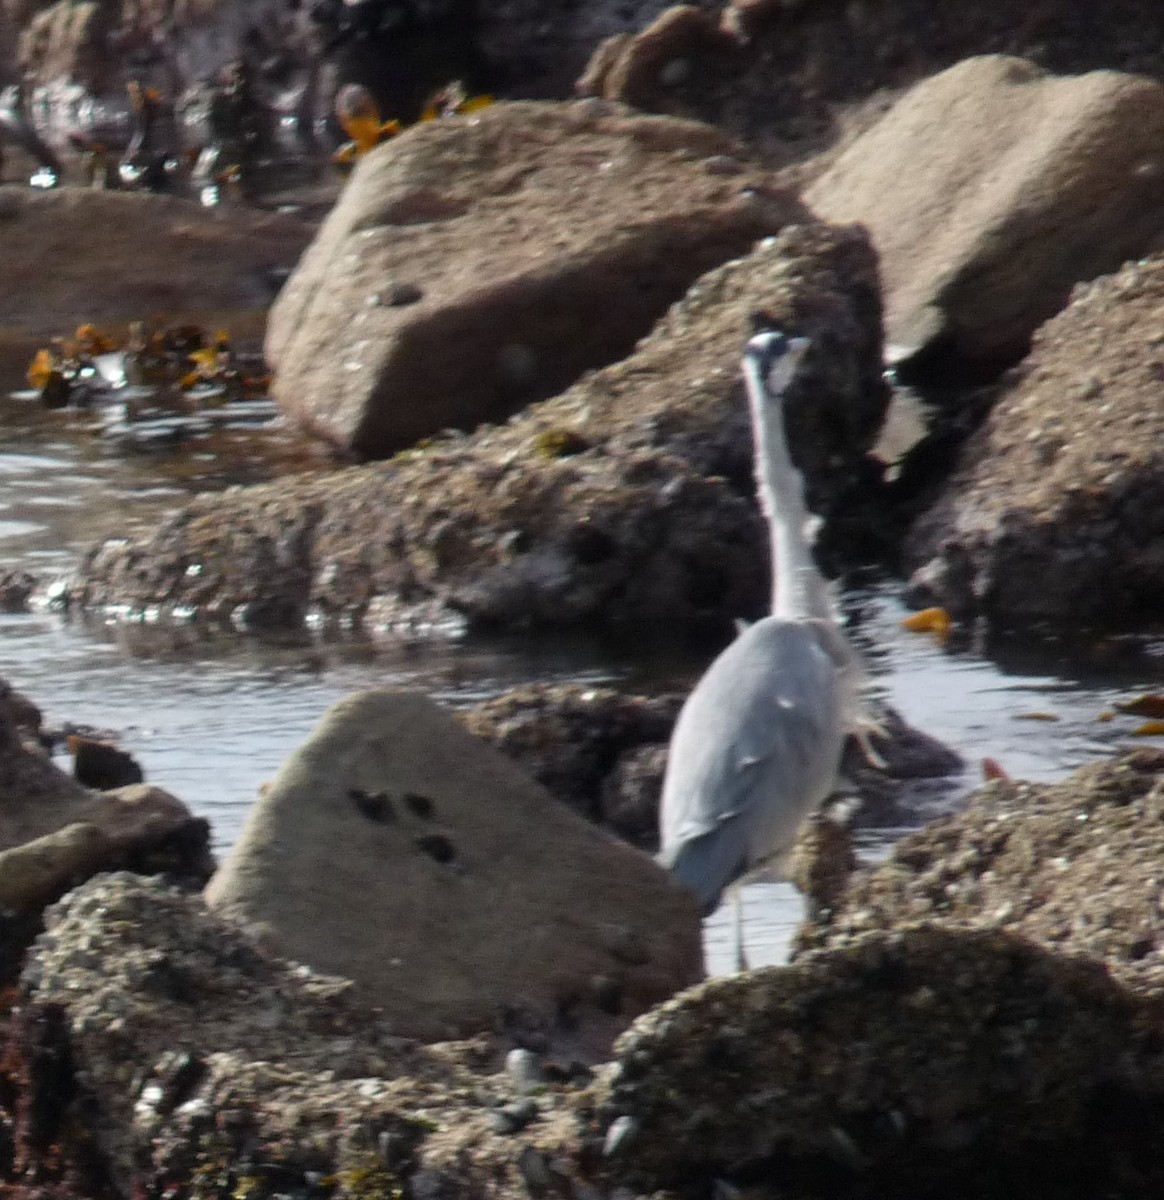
805 78
637 68
400 852
628 496
477 264
1033 182
1056 511
36 872
66 832
114 257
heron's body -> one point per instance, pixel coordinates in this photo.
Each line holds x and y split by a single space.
753 754
757 746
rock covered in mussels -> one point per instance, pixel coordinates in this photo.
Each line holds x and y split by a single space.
927 1061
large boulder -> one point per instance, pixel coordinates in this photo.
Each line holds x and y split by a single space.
990 189
1073 865
1056 510
472 266
115 257
629 496
397 850
927 1061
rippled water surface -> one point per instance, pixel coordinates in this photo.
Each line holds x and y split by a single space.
213 718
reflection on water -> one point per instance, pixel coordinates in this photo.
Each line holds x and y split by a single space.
72 476
211 719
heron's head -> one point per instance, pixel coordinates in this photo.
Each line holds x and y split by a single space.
776 357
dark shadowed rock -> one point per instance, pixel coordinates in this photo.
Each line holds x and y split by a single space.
474 265
586 746
1034 182
629 495
929 1061
399 851
1056 511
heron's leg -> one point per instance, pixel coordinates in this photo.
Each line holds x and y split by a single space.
741 956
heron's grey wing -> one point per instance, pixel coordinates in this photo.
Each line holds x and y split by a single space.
754 751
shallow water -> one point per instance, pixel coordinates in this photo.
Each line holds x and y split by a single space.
212 718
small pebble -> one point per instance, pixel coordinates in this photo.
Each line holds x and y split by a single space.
723 164
621 1130
535 1170
511 1118
524 1070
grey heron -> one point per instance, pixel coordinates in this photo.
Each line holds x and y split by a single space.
757 745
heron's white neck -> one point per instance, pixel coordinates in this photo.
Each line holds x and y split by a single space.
799 591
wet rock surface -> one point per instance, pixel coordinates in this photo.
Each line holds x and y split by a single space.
495 907
925 1061
629 495
1054 512
476 264
1076 187
1072 865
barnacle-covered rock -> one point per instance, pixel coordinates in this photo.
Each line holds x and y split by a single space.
644 504
1073 864
175 1052
1056 509
925 1061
